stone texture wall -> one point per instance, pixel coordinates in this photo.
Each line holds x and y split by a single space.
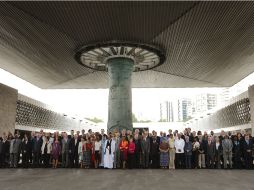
120 94
251 98
8 106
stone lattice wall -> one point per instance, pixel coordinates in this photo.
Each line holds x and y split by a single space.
35 114
234 115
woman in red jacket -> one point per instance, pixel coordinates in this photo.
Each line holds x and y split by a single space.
131 152
123 145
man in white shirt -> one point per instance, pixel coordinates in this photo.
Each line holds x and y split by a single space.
179 145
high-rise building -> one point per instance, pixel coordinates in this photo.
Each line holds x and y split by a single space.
184 109
176 110
180 110
187 109
166 111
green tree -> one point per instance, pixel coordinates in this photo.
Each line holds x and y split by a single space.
187 119
95 120
134 118
162 120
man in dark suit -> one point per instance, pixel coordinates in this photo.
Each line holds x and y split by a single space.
154 153
247 151
210 153
145 147
237 153
71 149
15 148
65 151
4 159
76 156
1 147
36 149
26 149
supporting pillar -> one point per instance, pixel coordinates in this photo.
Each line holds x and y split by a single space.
120 59
8 109
120 94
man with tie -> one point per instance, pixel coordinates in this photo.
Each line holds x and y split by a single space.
4 159
75 150
211 150
36 149
237 152
247 151
71 149
227 147
145 147
15 148
26 149
65 151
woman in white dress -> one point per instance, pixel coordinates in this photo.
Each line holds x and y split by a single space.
108 151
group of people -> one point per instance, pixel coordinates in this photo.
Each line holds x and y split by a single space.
127 149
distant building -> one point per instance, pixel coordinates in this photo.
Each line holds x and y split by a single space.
205 102
176 110
166 111
184 109
224 97
187 109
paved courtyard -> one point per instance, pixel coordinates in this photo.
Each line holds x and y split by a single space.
59 179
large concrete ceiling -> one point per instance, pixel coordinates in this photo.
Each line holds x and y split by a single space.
207 44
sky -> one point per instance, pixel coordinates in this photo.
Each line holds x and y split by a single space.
90 103
94 102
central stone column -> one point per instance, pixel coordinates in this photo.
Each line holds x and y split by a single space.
120 59
120 93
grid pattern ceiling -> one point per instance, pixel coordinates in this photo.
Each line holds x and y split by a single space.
206 43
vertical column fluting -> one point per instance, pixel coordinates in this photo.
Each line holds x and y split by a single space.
120 94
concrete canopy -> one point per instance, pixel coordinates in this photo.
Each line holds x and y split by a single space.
207 44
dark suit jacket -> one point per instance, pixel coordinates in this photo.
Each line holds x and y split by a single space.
219 151
154 149
237 149
65 145
211 149
137 145
5 148
26 148
71 145
1 146
73 149
247 147
145 145
76 148
36 145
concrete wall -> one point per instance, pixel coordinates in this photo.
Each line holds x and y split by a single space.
235 116
8 105
251 98
33 115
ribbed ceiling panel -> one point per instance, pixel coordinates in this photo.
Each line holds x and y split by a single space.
206 43
36 51
100 21
144 79
211 40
